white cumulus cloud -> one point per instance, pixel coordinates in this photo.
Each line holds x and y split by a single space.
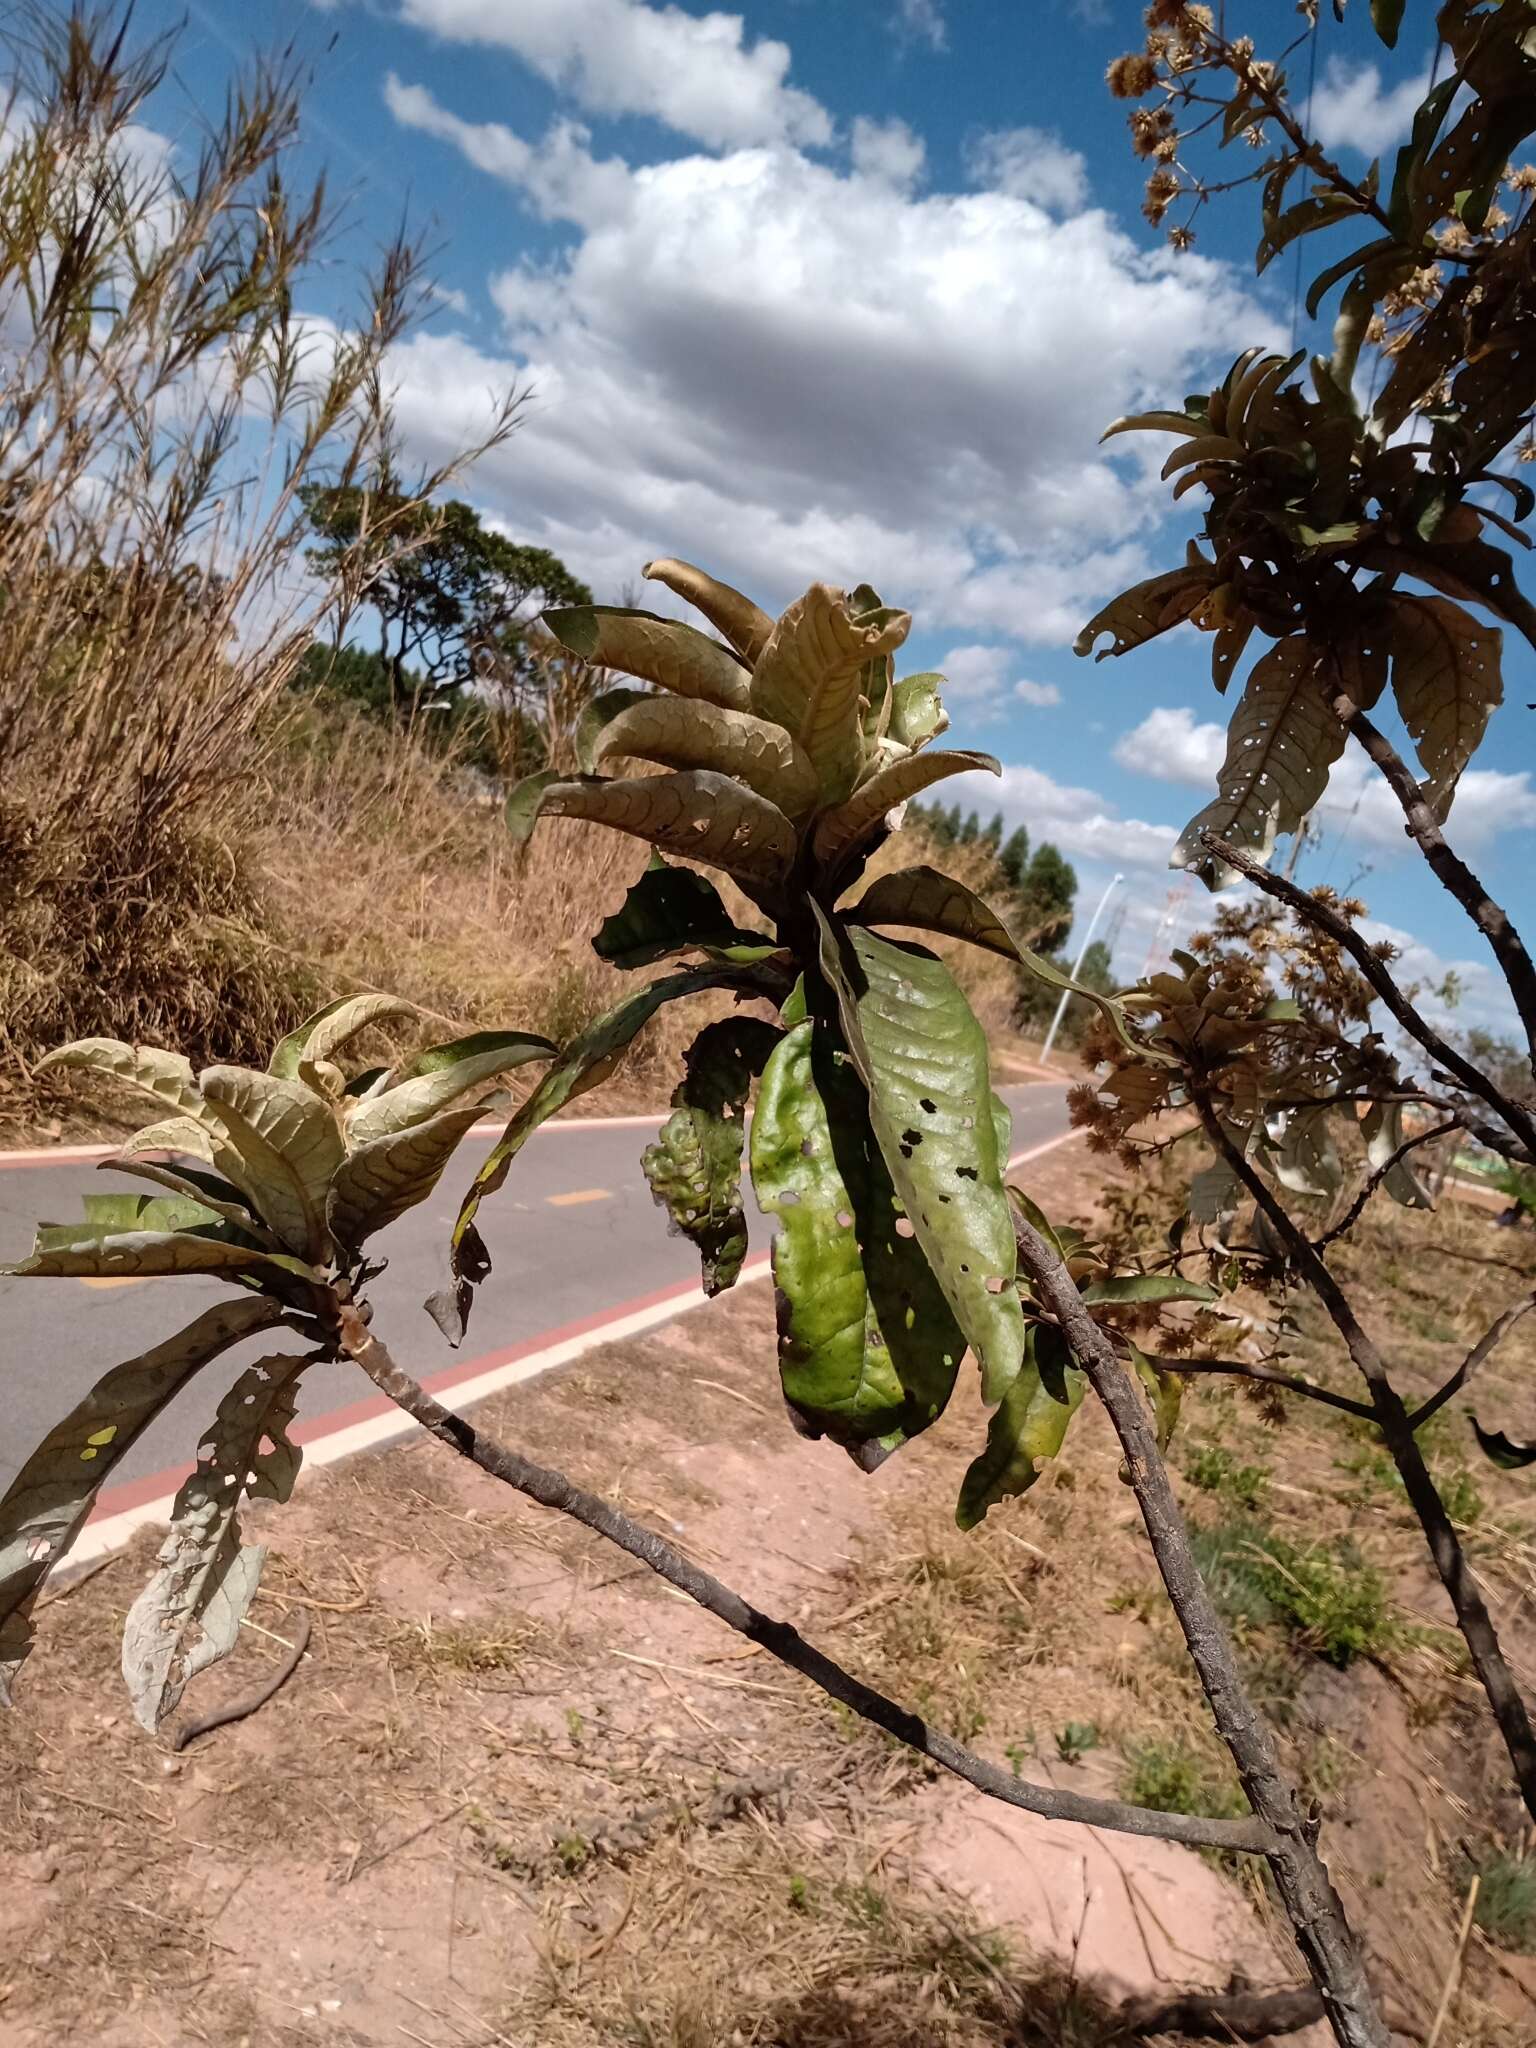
1353 109
1040 695
695 73
887 150
1029 163
922 21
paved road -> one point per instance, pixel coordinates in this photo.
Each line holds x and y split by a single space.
573 1233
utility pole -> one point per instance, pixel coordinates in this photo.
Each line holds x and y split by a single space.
1077 966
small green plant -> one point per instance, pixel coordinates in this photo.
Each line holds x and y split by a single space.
1506 1902
573 1851
1075 1740
799 1893
1335 1604
1229 1562
1214 1469
1173 1778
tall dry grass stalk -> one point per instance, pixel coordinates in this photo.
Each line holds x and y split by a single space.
162 399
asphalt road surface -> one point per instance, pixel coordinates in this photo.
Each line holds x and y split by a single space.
573 1234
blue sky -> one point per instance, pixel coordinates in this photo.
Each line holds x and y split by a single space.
848 291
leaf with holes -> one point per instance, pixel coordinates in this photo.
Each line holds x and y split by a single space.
694 1167
923 1058
47 1503
868 1346
670 910
665 652
1029 1425
734 743
584 1064
1447 679
925 900
842 831
917 710
189 1614
807 679
698 814
1145 610
1281 744
325 1034
745 625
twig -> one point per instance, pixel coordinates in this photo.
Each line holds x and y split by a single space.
1316 1912
80 1578
1391 1417
1453 1974
1269 1376
1374 1180
1375 971
359 1864
735 1394
1481 1351
249 1702
554 1490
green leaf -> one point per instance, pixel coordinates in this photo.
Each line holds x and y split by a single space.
734 743
324 1035
923 1058
669 910
1116 1289
1304 218
1165 1390
840 832
694 1167
393 1172
1146 610
1028 1426
868 1346
917 710
1502 1450
745 625
665 652
1283 740
807 679
214 1194
1447 678
697 814
596 715
165 1076
437 1078
150 1254
927 900
1387 19
189 1614
47 1503
525 802
585 1063
283 1145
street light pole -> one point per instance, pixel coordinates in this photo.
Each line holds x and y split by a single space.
1077 966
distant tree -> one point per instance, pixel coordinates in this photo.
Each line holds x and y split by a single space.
953 822
442 583
992 838
1050 886
1014 858
970 831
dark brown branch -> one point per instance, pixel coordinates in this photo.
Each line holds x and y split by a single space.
1269 1376
1472 1616
1239 2015
553 1489
1481 1351
1422 826
1374 969
1316 1913
1374 1180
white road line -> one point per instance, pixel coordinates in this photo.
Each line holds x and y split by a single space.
112 1531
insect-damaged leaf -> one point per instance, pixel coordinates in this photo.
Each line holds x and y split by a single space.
807 679
868 1346
670 910
1145 610
696 813
189 1614
47 1502
1283 740
923 1059
840 831
665 652
1447 679
917 710
926 900
586 1062
694 1167
735 743
745 625
1028 1426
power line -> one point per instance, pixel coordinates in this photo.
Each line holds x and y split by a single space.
1317 20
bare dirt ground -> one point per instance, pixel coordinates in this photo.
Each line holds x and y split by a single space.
521 1793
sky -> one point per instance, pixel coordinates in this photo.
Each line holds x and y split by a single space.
848 292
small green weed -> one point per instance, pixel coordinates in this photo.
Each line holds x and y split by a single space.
1215 1470
799 1893
1335 1604
1506 1902
1229 1563
1075 1740
1171 1777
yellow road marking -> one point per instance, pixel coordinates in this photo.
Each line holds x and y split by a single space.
121 1280
578 1195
